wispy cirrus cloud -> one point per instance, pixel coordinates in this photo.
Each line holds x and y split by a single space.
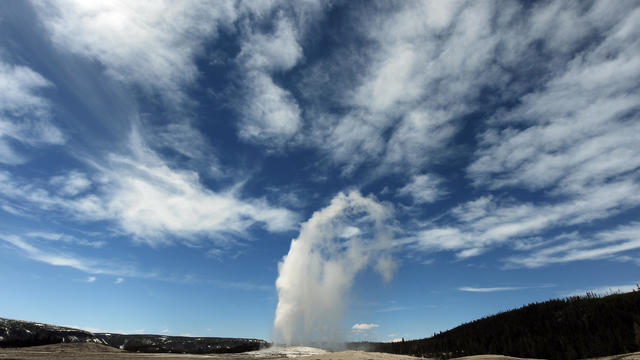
112 267
499 288
411 85
606 244
153 202
489 223
57 258
65 238
25 115
270 114
488 289
423 189
72 183
569 139
575 132
393 309
122 36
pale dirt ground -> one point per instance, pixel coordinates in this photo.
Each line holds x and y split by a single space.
632 356
100 352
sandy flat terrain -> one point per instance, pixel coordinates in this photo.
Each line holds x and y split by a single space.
632 356
491 357
98 352
101 352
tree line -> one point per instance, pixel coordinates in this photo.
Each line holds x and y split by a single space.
569 328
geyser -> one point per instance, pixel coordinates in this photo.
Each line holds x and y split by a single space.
317 273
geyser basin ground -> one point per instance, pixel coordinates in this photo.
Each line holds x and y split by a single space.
86 351
285 352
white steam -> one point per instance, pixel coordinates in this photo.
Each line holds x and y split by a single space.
317 273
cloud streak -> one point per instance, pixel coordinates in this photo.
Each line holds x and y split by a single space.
25 115
57 258
153 202
122 36
364 327
499 288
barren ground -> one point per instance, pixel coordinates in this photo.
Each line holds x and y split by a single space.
100 352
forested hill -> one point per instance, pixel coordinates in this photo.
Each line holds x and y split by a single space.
570 328
18 333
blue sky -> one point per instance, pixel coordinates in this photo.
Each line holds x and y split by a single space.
157 159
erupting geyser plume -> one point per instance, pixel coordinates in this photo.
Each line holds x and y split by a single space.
317 273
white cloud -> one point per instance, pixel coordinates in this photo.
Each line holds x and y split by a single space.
494 289
602 245
12 210
364 327
423 189
57 258
276 51
271 44
420 138
352 139
576 133
33 196
154 202
138 43
412 84
392 81
242 285
121 270
186 141
72 183
269 113
25 116
50 236
569 134
151 43
490 223
403 98
151 201
350 231
393 308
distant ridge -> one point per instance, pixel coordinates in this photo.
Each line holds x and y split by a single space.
181 344
570 328
18 333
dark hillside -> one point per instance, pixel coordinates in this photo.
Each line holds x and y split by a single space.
570 328
17 333
180 344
